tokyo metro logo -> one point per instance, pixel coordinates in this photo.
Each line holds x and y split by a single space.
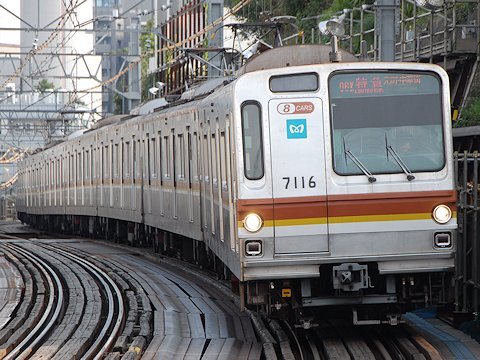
296 128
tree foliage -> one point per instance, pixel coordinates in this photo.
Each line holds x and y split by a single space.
307 12
147 47
471 114
44 85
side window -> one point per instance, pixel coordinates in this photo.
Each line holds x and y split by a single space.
86 164
166 157
153 157
213 153
115 161
134 159
106 169
181 158
71 177
222 154
252 140
127 159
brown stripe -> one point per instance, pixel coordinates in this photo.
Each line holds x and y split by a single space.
300 210
384 207
248 203
305 199
396 195
367 196
347 205
409 203
265 210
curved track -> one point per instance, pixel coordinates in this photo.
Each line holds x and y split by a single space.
81 306
337 340
115 313
50 305
107 301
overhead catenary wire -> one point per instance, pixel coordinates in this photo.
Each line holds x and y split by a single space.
173 45
73 4
63 19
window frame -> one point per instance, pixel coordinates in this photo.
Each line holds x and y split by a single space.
246 173
386 71
293 76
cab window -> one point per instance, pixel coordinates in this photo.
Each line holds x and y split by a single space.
252 140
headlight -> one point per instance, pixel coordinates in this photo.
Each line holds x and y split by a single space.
252 222
442 214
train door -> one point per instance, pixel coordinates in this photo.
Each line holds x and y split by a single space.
161 171
298 176
175 163
206 189
148 162
133 199
205 177
110 173
190 169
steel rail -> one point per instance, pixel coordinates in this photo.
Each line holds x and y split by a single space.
52 313
313 347
97 350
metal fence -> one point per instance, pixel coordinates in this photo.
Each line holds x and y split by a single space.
421 33
467 279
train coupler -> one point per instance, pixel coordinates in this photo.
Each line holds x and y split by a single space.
306 324
351 277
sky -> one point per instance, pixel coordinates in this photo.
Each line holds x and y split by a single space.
9 21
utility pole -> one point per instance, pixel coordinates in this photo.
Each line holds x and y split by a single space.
386 13
133 97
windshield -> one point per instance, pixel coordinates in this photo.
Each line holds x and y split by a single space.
377 116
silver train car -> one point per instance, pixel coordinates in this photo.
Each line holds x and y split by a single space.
311 184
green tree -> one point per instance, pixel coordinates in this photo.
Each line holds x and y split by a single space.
471 114
307 12
147 48
44 85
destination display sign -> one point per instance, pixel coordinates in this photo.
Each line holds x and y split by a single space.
382 84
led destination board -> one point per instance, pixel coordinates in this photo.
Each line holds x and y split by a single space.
381 84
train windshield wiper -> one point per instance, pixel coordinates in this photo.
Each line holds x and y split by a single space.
358 163
398 160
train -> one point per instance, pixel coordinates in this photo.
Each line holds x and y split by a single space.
314 185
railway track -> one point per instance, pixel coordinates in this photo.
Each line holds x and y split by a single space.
339 340
167 312
110 303
43 303
70 307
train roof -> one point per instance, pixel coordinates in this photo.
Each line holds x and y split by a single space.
111 120
295 55
149 106
205 88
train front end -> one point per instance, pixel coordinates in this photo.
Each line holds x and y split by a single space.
346 193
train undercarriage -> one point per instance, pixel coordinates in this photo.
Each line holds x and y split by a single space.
348 290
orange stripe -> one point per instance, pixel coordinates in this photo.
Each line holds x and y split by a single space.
300 210
410 203
347 205
396 195
305 199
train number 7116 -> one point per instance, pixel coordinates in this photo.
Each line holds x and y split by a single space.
299 182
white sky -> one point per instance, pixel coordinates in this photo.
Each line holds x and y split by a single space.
9 21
